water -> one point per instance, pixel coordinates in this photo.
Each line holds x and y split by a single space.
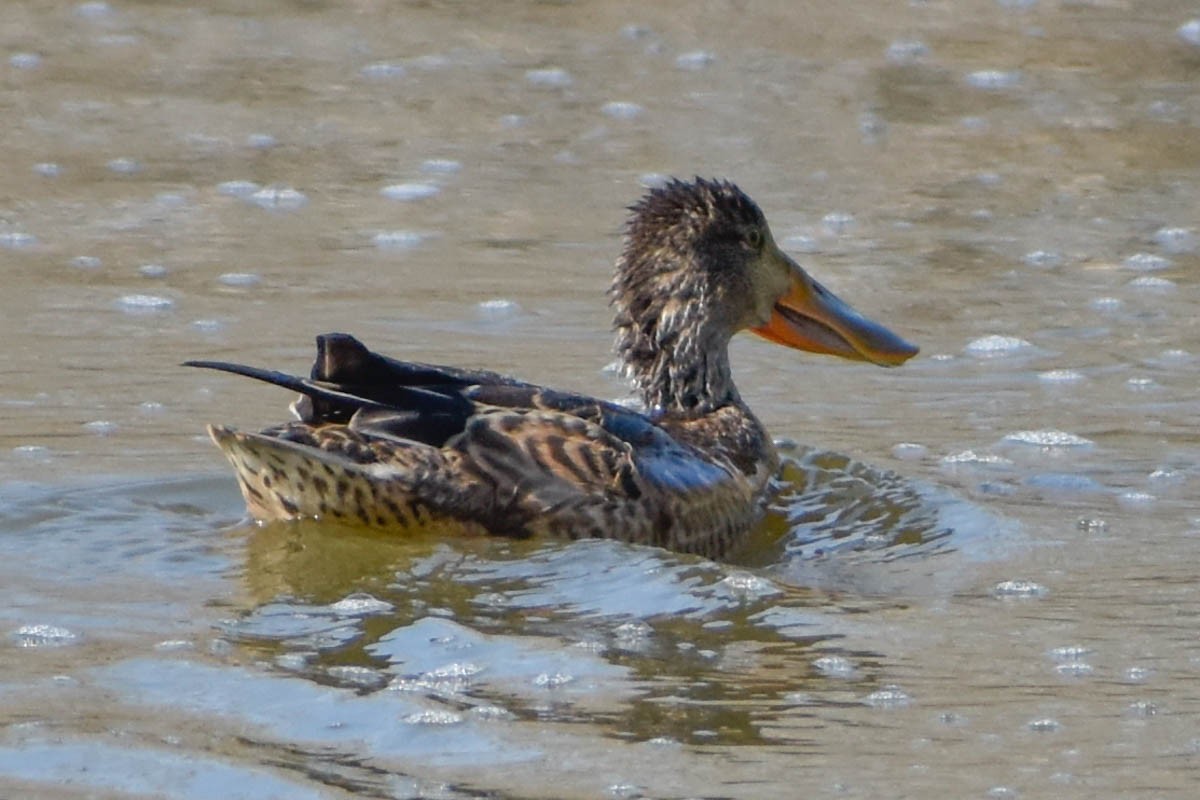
977 580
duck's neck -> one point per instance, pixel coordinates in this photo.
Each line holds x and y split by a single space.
677 365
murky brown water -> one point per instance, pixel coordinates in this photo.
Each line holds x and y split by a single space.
990 594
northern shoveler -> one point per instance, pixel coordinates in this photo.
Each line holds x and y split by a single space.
396 443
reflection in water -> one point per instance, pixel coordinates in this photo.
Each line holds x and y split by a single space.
646 643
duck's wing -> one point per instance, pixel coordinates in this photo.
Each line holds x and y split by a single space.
515 457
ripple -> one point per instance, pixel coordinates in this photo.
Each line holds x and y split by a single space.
152 271
47 169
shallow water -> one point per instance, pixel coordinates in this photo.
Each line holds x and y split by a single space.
979 582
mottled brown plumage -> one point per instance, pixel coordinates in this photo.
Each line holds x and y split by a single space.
400 444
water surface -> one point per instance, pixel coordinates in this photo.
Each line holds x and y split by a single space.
978 582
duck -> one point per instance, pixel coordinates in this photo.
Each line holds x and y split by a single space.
404 445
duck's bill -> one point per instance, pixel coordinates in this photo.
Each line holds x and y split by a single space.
810 317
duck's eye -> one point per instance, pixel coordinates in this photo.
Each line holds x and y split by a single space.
754 238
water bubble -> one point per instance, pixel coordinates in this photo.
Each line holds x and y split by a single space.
621 110
433 717
93 10
1018 589
1189 32
239 279
1143 708
1069 652
889 696
555 680
1140 384
835 667
498 309
1152 283
124 166
1047 438
29 636
409 191
971 458
397 240
208 325
1147 262
242 189
383 70
837 222
279 198
653 180
152 271
552 77
1138 674
47 169
261 141
1044 725
1060 376
359 677
1106 303
1175 240
144 303
31 451
16 240
440 166
906 51
25 61
801 243
360 604
1074 669
695 60
993 79
996 346
1135 501
100 427
909 451
1042 259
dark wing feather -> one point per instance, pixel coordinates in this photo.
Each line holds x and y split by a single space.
424 402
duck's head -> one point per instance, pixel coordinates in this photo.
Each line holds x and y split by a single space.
699 265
